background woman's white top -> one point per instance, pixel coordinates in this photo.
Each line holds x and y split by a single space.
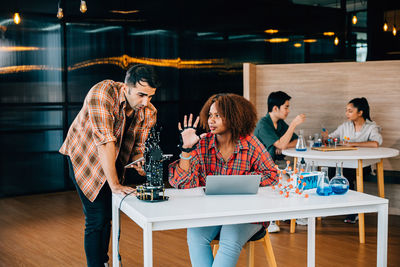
370 131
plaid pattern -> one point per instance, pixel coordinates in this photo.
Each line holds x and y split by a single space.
249 158
102 120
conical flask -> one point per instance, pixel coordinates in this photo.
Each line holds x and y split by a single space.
323 187
301 142
339 183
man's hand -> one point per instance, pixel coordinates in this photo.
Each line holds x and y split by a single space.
121 189
139 168
298 120
278 151
138 165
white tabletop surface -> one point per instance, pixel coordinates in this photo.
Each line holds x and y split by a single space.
186 204
192 208
360 153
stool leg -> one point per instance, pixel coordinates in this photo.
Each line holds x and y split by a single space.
250 253
278 223
215 249
292 226
269 252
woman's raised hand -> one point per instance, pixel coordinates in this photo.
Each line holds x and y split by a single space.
189 136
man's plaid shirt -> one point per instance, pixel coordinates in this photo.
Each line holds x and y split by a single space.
102 120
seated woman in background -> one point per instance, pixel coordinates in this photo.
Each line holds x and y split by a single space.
229 148
361 131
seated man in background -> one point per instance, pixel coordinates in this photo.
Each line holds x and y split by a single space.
275 134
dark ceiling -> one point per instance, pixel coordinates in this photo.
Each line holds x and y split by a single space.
194 15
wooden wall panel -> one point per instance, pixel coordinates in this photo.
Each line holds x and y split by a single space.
249 81
322 90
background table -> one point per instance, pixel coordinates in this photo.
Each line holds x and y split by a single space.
356 159
192 208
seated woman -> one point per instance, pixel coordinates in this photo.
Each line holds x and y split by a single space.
361 131
229 148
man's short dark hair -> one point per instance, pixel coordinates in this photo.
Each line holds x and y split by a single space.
142 73
277 99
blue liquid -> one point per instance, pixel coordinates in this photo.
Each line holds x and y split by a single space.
340 189
302 149
317 144
324 191
311 181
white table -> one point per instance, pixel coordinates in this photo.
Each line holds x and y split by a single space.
191 208
356 159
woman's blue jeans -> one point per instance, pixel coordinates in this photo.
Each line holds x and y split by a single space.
231 240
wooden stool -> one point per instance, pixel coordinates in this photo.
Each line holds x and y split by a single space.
261 236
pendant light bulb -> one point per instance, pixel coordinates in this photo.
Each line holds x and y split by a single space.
394 30
336 41
17 18
385 27
354 20
83 7
60 13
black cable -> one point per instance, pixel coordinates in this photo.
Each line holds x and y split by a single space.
119 229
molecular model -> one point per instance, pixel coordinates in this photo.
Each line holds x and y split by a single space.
296 182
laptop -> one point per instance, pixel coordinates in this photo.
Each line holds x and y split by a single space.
232 184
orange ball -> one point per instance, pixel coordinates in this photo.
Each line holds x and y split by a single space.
306 195
304 184
281 192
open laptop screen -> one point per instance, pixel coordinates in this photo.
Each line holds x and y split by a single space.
232 184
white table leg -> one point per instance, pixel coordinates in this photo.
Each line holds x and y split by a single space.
381 257
115 230
148 245
311 242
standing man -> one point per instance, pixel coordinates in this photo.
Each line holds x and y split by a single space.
108 133
275 134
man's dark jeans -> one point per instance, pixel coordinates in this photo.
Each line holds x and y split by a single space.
97 224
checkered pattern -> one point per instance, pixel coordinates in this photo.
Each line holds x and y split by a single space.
102 120
249 157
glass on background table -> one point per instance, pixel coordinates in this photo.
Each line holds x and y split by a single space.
355 159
